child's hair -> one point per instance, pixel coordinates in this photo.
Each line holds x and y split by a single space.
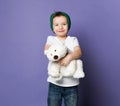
59 13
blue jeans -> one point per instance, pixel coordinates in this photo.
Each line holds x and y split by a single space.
57 93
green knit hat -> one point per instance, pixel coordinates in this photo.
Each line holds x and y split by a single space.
59 13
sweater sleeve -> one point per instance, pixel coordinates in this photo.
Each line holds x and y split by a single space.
49 40
71 42
75 42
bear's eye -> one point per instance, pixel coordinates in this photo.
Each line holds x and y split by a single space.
55 50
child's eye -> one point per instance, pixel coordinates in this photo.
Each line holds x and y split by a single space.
56 24
64 24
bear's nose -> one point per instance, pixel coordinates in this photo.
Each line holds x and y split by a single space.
55 57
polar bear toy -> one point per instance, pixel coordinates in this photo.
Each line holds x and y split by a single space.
57 71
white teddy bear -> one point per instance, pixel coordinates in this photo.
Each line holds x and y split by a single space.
57 71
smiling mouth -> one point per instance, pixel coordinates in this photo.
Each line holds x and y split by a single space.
61 31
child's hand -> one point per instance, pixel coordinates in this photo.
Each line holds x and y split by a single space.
66 60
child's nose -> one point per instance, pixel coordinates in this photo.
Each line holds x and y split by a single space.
61 27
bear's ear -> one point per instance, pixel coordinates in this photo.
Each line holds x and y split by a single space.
45 52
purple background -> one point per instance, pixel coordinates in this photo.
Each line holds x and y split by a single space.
24 27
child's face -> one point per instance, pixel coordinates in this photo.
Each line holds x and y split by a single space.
60 26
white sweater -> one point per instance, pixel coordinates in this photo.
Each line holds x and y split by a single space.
70 43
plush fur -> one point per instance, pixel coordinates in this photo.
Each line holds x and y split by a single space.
57 71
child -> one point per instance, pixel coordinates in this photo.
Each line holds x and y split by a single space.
67 88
